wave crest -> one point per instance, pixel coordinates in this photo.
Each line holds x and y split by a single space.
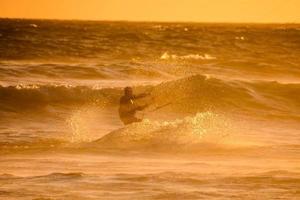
191 95
167 56
203 128
16 98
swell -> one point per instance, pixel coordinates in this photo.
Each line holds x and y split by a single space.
200 93
188 95
51 177
161 185
49 39
56 71
30 97
205 133
281 176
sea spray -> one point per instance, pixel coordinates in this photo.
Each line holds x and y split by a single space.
179 134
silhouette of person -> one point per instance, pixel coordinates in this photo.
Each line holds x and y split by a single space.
128 106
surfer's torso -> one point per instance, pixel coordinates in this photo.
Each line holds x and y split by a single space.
128 109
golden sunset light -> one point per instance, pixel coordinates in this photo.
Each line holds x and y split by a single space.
149 99
262 11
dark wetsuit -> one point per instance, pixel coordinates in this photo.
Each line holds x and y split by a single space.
128 109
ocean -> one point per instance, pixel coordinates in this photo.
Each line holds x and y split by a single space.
223 120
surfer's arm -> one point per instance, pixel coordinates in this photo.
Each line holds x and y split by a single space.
141 95
139 108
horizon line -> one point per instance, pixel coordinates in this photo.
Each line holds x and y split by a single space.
152 21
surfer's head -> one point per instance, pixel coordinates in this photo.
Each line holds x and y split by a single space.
128 91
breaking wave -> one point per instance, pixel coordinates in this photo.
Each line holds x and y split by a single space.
20 97
167 56
188 95
204 128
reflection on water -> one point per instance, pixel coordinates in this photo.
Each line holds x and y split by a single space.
223 121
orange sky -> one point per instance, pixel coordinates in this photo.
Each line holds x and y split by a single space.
156 10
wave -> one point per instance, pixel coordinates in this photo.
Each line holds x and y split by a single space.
199 93
69 40
205 133
279 177
52 177
55 71
28 97
191 178
154 185
187 95
204 128
32 145
167 56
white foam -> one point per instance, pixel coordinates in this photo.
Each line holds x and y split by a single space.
167 56
33 25
205 127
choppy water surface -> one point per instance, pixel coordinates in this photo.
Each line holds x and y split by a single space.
224 120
